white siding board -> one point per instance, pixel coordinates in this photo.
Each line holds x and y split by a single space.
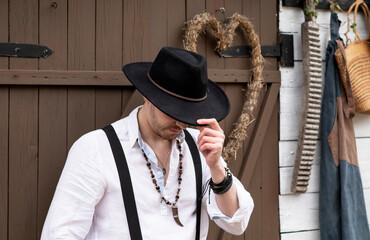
314 183
287 158
286 179
306 235
289 125
300 212
287 151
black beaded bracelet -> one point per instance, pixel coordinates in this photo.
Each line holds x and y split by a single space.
223 186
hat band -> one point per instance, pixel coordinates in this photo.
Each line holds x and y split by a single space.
177 95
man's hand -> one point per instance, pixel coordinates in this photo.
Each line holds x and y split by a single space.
210 141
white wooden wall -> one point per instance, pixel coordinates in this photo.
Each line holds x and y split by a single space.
299 213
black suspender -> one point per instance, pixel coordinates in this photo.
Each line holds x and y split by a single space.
198 177
126 185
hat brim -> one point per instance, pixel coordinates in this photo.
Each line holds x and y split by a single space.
216 105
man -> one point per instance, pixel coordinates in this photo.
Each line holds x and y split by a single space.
90 199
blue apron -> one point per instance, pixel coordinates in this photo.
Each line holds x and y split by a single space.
342 204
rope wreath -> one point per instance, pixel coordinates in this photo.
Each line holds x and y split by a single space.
202 22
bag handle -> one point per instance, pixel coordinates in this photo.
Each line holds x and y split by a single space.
349 109
365 9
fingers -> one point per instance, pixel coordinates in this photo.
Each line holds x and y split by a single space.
210 138
212 147
211 122
210 135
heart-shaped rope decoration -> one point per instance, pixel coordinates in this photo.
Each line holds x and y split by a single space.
225 35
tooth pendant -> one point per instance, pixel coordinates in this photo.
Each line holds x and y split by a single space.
175 213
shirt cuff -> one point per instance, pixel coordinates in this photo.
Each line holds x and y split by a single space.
239 221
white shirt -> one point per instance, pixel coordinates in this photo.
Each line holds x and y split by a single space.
88 202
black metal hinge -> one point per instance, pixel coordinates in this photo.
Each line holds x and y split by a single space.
284 51
24 50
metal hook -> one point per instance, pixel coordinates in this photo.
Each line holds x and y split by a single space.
222 10
54 5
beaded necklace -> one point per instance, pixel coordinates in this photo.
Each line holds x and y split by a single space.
179 179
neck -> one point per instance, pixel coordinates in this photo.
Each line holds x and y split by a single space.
147 133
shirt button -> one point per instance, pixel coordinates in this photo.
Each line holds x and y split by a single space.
159 172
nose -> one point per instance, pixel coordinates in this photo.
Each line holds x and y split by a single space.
181 125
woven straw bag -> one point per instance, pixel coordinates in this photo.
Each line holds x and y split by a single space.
354 62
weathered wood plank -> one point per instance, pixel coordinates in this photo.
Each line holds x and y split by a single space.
194 7
53 34
81 56
270 176
23 145
135 31
52 146
4 124
109 50
157 27
52 106
213 60
23 162
236 97
240 37
259 133
112 78
4 139
268 34
300 212
4 14
63 78
23 28
109 35
133 100
81 113
81 35
255 189
108 106
175 22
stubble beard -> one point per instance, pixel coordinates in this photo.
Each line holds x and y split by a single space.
161 130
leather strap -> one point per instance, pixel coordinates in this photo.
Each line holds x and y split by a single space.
350 109
126 184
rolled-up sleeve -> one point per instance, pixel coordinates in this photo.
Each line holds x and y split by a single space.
239 221
79 189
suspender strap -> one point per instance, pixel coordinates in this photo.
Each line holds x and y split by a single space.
126 185
198 177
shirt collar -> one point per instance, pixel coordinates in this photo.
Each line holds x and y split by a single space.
134 132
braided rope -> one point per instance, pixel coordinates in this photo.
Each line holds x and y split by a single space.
201 23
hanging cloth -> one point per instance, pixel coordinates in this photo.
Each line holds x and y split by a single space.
342 205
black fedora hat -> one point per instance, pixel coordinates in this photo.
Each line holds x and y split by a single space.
178 85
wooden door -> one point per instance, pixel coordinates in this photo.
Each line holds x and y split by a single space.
46 104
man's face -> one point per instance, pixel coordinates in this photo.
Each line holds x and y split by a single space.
163 125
